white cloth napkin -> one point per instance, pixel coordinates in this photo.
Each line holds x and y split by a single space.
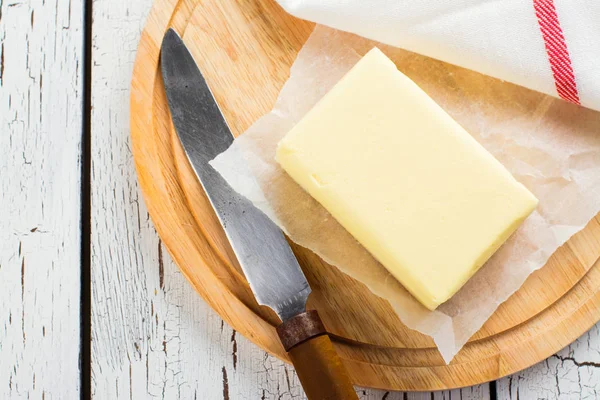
552 46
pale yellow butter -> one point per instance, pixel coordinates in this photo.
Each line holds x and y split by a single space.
406 180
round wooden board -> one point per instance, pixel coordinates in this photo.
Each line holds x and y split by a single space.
245 50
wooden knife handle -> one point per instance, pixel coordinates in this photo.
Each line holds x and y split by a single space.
321 372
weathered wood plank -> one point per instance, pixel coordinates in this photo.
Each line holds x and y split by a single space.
152 335
41 65
572 373
479 392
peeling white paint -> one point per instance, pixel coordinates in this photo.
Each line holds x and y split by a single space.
152 335
41 46
573 373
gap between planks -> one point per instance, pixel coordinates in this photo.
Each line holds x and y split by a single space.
86 196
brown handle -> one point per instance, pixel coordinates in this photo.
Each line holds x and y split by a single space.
321 372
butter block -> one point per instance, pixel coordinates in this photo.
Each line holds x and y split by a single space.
405 179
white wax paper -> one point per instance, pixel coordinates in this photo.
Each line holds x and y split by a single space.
550 146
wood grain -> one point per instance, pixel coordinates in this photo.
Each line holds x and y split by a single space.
321 371
41 65
201 351
524 331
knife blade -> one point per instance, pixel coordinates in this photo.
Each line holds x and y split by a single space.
265 256
267 260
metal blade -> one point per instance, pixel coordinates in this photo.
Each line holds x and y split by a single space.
266 258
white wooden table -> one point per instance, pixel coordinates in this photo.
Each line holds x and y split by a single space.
91 304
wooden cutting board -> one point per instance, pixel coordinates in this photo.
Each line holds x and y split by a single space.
245 49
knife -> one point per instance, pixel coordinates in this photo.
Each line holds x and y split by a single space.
266 258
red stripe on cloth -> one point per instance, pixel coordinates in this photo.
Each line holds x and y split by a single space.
556 48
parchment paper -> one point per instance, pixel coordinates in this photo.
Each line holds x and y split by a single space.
550 146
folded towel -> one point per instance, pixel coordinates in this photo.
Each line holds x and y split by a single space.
552 46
